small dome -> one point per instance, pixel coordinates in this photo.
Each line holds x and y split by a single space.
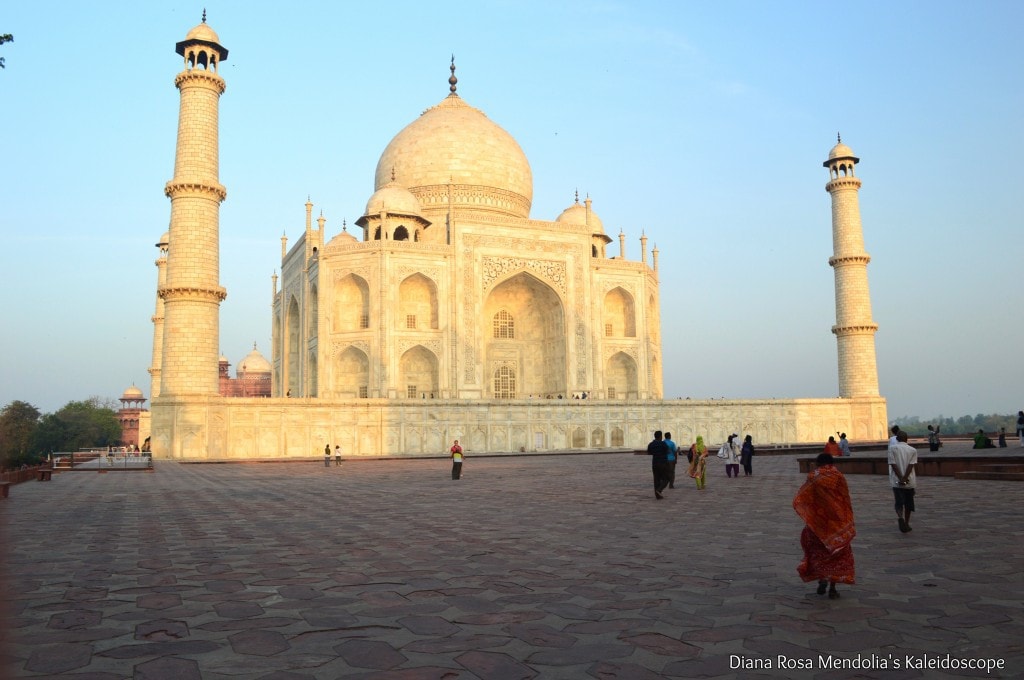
223 360
164 240
254 362
582 214
840 150
344 237
203 32
395 199
133 393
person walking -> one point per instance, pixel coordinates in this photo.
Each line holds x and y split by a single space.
747 456
673 458
658 450
699 462
730 453
903 478
456 453
823 503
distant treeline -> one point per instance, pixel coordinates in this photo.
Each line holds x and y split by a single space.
917 427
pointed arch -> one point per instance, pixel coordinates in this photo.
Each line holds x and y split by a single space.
418 373
352 373
619 314
401 233
620 375
314 311
292 349
350 304
417 303
537 350
312 374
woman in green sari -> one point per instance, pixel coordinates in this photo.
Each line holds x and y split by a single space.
699 462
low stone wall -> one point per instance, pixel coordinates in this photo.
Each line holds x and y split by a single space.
938 466
217 428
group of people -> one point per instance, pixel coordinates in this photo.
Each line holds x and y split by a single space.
840 448
665 454
823 502
327 455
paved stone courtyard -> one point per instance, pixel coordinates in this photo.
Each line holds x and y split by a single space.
528 567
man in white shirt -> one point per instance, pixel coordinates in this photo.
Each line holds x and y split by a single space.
902 462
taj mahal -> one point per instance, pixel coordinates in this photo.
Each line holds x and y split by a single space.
448 312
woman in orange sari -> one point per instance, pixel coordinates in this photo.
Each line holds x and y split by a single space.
823 503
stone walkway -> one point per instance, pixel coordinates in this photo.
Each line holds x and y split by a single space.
558 567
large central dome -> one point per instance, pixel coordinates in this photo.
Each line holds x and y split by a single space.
454 150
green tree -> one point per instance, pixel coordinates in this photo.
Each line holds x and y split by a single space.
5 38
78 425
18 422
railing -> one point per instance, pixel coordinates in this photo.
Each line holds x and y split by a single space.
102 460
25 474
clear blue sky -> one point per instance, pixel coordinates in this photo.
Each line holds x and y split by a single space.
703 124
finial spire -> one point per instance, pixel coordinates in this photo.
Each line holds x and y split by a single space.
839 138
204 15
577 197
452 80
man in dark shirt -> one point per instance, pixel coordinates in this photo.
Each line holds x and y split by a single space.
658 451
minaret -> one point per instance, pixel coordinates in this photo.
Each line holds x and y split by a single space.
192 293
158 318
854 329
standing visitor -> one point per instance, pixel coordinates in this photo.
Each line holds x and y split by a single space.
747 456
844 445
673 457
903 478
1020 428
730 453
1002 437
337 454
327 455
933 438
456 452
823 503
658 451
699 462
895 431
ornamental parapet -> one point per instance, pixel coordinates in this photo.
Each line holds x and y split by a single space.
200 78
389 245
472 197
197 293
843 183
859 329
845 260
211 190
598 264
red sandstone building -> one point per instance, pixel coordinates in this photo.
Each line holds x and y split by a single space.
253 376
